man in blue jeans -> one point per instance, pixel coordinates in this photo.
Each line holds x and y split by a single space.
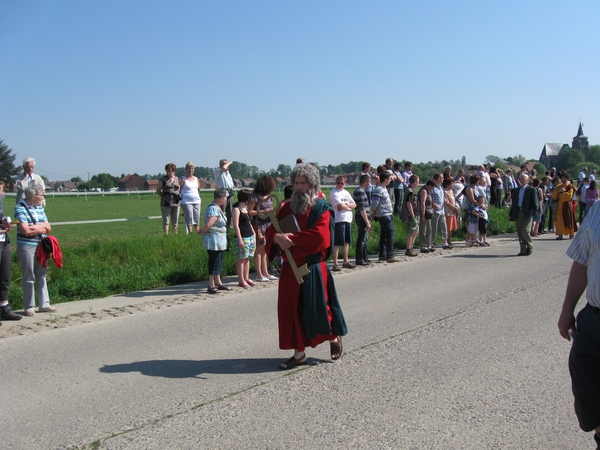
363 220
381 208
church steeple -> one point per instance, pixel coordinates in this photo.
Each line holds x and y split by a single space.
580 142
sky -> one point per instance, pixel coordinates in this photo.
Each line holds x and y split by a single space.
124 86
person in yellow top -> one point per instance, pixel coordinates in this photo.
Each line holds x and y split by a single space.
565 216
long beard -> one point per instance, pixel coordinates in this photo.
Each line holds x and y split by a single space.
300 202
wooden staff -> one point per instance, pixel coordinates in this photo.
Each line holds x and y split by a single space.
299 272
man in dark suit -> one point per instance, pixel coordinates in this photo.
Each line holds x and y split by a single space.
525 203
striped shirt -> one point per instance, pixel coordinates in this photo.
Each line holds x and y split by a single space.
381 202
437 197
585 249
21 214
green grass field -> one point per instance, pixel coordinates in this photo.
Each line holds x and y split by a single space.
102 259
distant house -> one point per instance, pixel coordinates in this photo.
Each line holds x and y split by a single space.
247 182
328 180
65 186
150 185
132 183
549 155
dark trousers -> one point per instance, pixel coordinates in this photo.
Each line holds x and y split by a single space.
4 270
581 211
584 366
361 242
386 237
215 262
542 228
523 225
398 194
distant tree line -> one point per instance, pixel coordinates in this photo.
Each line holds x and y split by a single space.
569 159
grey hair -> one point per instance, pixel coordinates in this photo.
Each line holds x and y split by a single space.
220 193
32 190
311 173
29 160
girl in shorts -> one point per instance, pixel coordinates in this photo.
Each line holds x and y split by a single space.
245 240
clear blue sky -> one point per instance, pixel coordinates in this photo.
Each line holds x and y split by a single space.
120 86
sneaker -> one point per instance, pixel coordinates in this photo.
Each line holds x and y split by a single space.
412 253
348 265
391 260
425 250
431 249
486 243
382 258
262 280
272 277
361 263
6 313
47 309
336 268
30 312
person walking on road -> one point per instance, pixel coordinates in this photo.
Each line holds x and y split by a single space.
308 313
525 204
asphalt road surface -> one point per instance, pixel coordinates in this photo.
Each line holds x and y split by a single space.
454 350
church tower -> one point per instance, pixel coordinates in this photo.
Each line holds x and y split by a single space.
580 142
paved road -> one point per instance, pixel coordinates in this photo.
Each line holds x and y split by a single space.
455 350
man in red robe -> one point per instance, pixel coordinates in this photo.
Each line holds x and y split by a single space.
308 313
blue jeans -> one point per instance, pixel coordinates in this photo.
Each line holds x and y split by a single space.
361 242
386 237
398 194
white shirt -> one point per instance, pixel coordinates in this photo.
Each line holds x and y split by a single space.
337 196
24 181
585 249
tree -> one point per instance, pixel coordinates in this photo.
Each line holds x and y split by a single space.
518 160
76 180
463 161
496 161
492 159
283 170
568 158
7 163
593 154
540 169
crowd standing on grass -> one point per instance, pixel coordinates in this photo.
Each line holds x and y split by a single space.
441 206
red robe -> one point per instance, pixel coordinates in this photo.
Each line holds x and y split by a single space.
308 242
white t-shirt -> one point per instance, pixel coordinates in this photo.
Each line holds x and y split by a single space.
337 196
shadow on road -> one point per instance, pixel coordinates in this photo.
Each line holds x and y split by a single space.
177 368
477 256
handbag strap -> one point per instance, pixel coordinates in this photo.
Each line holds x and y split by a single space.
28 212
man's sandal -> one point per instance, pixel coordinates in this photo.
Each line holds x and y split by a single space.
336 348
293 362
